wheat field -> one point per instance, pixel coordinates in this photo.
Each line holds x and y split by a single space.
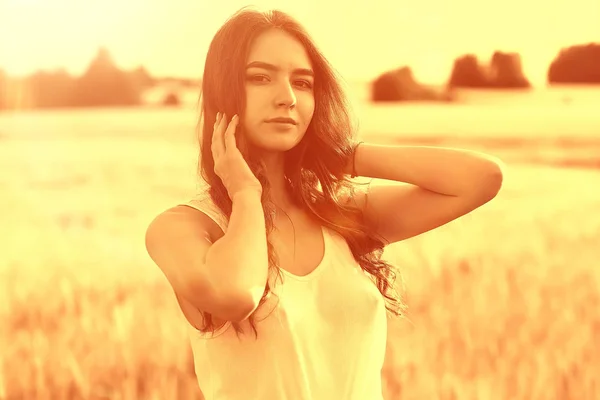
504 303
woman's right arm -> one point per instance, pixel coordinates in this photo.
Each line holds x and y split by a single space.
226 278
240 257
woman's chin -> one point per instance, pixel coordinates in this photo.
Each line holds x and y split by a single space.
279 142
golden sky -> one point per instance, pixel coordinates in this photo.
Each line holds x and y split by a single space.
360 37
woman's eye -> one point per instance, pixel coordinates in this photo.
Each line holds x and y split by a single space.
257 77
308 84
261 78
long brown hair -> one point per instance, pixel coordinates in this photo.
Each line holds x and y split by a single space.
328 140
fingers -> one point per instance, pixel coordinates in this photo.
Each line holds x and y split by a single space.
223 135
230 133
217 145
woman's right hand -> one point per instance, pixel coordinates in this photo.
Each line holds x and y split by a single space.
230 164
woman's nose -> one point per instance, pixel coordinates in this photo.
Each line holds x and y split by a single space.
286 96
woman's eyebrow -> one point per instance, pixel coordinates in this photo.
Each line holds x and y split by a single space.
297 71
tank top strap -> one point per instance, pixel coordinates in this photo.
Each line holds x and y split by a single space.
203 203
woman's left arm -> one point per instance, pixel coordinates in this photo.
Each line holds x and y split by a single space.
448 171
444 184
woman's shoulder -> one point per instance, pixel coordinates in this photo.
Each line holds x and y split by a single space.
203 202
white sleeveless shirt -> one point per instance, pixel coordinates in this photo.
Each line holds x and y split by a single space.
322 337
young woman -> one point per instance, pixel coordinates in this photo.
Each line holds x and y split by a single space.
277 265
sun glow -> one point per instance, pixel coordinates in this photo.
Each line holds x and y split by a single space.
359 37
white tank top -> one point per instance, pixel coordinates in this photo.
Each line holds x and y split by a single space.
323 337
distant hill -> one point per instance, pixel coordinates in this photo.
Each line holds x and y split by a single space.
400 85
579 64
103 84
504 71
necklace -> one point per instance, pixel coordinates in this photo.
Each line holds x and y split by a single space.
293 228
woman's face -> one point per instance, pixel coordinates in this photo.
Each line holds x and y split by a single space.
278 84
